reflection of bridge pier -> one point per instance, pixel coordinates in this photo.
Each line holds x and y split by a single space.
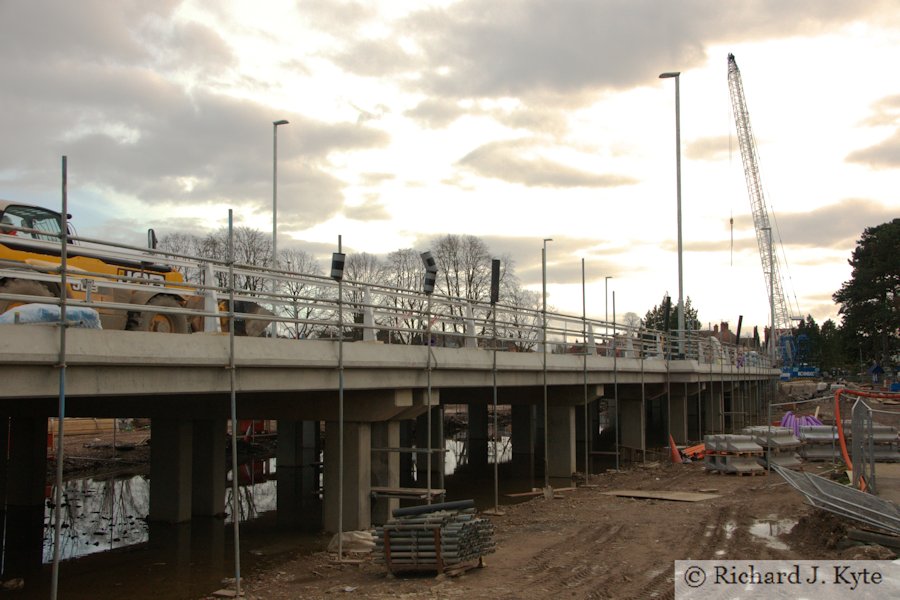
22 476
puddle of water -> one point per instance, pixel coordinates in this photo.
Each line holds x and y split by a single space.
769 530
730 528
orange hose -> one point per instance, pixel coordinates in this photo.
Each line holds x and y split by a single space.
840 429
840 424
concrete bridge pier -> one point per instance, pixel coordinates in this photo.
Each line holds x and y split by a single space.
478 435
678 412
24 472
694 399
437 443
365 412
357 476
523 442
632 422
562 431
714 421
171 457
385 467
561 440
297 474
208 469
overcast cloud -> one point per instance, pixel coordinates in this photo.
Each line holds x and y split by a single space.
165 109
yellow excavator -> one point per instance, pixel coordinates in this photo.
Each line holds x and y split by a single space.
30 244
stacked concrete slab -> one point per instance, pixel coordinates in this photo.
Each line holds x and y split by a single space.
779 445
883 439
820 443
731 453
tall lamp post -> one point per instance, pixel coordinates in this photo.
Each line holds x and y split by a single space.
544 348
275 124
606 298
677 76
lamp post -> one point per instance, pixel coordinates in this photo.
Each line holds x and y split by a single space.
677 76
544 348
606 297
275 124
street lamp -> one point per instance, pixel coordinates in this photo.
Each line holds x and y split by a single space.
275 124
676 75
544 347
606 297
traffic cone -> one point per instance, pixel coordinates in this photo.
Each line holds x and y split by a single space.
676 455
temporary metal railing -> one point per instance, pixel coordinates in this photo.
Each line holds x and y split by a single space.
306 306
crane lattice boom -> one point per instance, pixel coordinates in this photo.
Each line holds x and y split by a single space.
764 233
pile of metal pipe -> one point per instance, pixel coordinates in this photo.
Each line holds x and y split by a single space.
433 537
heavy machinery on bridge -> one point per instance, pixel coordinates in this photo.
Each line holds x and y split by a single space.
780 337
30 244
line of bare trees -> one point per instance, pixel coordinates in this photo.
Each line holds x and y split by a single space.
464 274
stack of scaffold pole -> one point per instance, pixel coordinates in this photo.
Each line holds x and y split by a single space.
445 538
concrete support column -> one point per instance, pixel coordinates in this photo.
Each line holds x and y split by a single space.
478 435
561 440
208 472
678 411
714 422
298 474
385 467
632 424
523 432
26 475
171 455
357 476
437 443
406 458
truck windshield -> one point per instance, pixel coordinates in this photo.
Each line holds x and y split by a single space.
45 222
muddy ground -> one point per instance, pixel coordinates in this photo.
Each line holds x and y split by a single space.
580 544
585 544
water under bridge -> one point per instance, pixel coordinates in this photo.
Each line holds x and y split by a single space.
354 357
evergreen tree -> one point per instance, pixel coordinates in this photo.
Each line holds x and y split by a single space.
870 301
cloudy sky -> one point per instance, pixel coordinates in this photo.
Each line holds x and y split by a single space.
511 120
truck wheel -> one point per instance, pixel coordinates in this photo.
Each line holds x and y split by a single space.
151 320
24 287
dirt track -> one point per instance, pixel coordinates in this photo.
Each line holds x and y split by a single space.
584 544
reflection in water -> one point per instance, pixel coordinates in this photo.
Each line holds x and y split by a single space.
457 454
98 515
101 515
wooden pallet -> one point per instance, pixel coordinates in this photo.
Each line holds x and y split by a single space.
741 473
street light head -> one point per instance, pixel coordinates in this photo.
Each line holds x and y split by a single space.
669 74
548 239
281 122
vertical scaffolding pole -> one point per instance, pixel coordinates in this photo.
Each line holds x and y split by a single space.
61 409
616 378
235 489
340 303
587 440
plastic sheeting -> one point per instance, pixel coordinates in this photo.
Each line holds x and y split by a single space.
76 316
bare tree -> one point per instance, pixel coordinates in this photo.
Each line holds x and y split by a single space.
404 271
305 294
